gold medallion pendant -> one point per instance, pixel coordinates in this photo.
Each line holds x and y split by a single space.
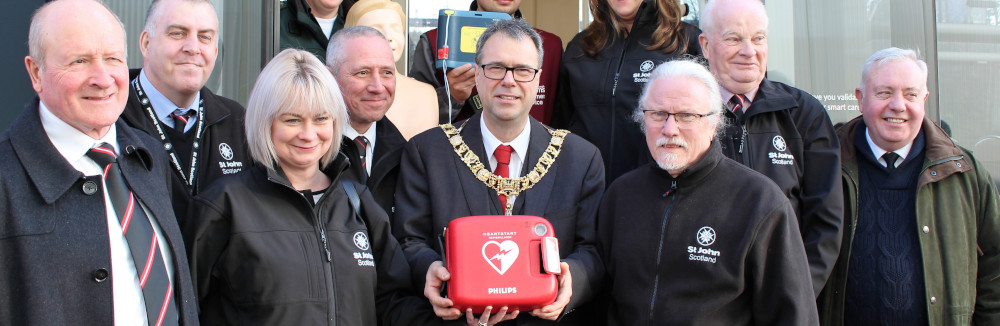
506 186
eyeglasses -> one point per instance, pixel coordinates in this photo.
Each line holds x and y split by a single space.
498 72
680 118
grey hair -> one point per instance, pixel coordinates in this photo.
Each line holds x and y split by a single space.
36 48
335 55
888 55
294 79
155 10
684 68
515 29
707 18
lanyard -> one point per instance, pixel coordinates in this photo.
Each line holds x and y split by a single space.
169 147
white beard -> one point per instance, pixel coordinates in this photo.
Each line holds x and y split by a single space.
670 161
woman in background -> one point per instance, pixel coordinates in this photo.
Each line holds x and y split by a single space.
605 67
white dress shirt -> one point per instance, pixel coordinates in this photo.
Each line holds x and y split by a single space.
349 132
129 308
520 145
878 151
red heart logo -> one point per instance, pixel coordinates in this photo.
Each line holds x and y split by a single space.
500 255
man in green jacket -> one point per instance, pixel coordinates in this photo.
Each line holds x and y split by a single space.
922 232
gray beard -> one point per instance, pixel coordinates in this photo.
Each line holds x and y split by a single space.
668 162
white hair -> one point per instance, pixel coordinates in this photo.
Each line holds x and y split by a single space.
687 69
889 55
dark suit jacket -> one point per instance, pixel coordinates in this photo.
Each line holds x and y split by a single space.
385 163
435 187
223 128
55 257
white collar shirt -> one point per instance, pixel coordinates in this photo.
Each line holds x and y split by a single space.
878 151
520 145
727 95
73 145
349 132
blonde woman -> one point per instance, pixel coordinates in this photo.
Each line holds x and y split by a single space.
282 243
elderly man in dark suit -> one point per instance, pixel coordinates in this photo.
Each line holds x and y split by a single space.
87 233
361 60
437 186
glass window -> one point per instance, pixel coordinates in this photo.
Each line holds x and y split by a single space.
820 46
968 53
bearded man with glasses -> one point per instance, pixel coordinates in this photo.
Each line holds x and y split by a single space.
697 238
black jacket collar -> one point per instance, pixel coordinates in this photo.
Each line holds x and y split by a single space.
769 98
695 173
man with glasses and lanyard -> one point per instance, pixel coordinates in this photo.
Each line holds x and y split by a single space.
438 181
201 132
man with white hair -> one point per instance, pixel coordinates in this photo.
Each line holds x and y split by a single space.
923 242
677 251
87 233
776 129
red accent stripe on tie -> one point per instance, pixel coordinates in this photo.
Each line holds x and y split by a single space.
149 263
166 303
104 151
105 175
127 218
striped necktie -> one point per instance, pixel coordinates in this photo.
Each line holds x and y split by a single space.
739 101
181 117
363 150
157 291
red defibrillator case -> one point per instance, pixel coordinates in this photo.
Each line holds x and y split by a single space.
501 261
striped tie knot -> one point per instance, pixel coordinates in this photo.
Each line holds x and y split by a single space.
181 117
739 101
103 154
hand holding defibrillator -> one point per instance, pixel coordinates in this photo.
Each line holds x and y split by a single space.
461 81
555 309
510 262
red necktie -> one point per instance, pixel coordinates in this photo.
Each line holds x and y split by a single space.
157 291
502 154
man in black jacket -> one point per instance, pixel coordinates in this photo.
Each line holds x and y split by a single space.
361 60
776 129
677 254
201 132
